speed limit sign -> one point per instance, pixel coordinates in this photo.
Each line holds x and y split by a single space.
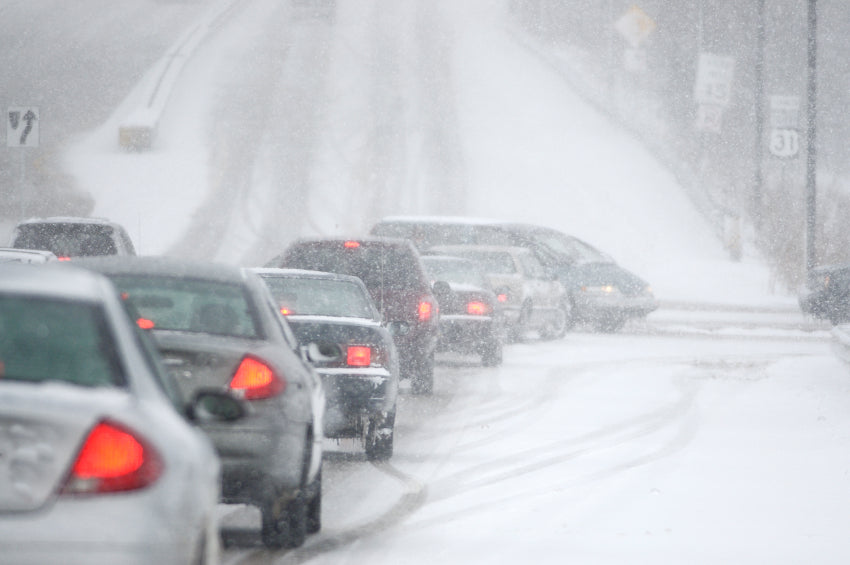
784 143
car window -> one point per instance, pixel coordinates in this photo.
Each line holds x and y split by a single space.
377 266
532 267
191 305
461 272
66 240
53 340
492 262
320 297
569 246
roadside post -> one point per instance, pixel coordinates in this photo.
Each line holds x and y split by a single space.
22 131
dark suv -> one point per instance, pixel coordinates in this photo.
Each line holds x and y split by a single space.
393 273
68 237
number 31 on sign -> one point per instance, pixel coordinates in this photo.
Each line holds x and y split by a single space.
784 143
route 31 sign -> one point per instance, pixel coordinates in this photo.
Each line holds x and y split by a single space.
784 143
22 126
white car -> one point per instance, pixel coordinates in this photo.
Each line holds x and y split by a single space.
12 255
98 460
530 295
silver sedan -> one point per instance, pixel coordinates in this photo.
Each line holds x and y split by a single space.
98 463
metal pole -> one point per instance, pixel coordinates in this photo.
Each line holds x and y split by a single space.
811 137
759 114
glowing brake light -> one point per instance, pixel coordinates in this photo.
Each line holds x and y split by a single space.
425 310
285 311
477 308
359 356
63 258
112 459
503 297
351 244
255 380
145 324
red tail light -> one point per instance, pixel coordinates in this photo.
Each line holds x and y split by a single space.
425 310
63 258
285 311
477 308
256 380
359 356
145 324
113 459
503 297
351 244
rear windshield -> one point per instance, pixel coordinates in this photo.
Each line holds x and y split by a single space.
67 240
318 297
54 340
492 262
459 272
190 305
377 266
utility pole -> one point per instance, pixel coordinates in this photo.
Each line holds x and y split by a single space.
759 114
811 136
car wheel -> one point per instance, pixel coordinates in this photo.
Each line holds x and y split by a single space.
491 353
557 328
314 507
379 439
519 331
422 381
284 527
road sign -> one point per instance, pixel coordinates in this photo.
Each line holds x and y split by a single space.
784 143
635 26
785 111
22 126
714 79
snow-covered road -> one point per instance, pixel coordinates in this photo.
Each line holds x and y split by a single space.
718 431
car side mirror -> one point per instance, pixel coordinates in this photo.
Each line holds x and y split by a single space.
213 405
398 328
319 352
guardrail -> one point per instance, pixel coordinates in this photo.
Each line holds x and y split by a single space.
138 130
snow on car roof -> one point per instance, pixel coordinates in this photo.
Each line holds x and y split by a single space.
67 220
441 220
53 279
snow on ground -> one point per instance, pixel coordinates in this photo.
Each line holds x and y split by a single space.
670 449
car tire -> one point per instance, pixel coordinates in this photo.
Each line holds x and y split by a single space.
284 528
519 331
491 353
422 380
557 328
314 507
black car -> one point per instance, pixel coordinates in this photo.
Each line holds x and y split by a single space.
393 273
600 292
68 237
361 385
827 293
218 326
471 320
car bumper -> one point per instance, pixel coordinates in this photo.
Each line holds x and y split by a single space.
351 393
94 531
465 333
593 307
